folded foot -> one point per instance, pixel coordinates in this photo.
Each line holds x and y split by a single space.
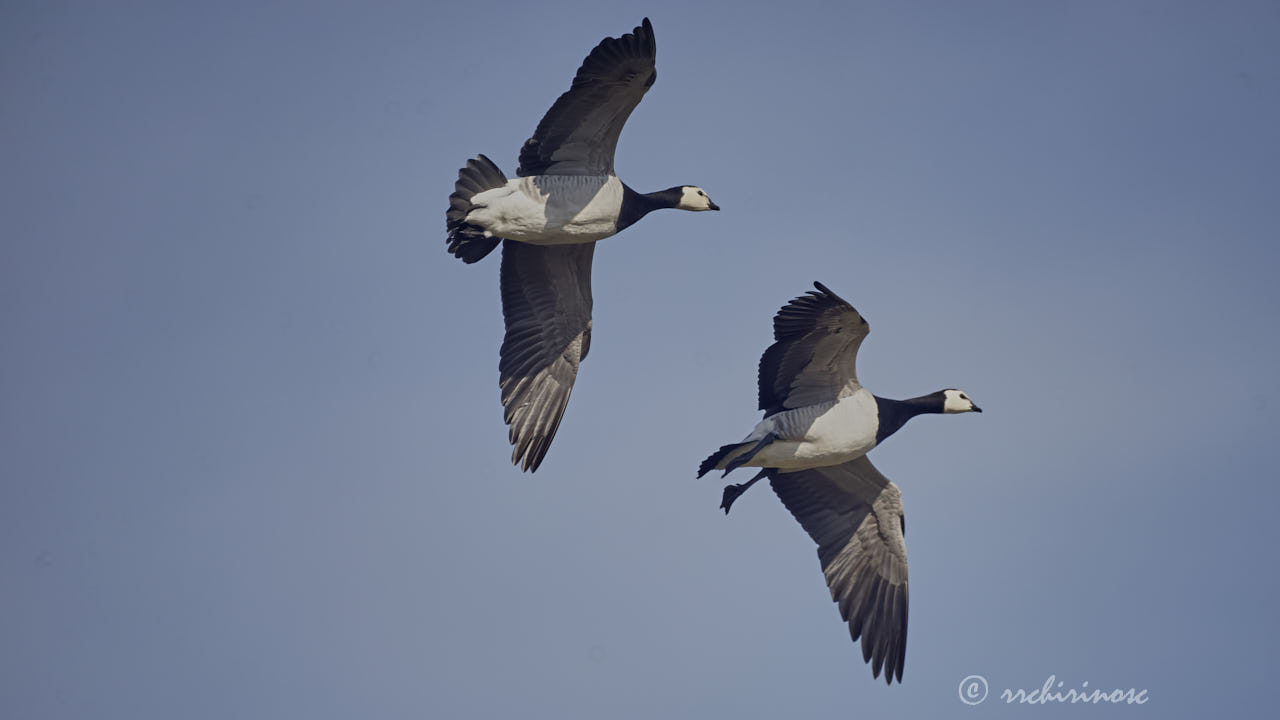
731 492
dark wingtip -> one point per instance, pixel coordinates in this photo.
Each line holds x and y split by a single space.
650 42
643 33
823 290
530 458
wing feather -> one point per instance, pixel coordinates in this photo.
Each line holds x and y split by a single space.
814 355
854 514
546 303
579 134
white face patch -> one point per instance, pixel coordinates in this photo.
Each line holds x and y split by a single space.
693 198
957 401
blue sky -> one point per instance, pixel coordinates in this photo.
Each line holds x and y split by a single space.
252 455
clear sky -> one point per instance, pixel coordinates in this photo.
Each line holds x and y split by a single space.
252 459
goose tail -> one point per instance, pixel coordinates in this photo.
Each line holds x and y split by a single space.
468 242
717 459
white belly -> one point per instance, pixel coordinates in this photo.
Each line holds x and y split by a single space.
844 432
550 209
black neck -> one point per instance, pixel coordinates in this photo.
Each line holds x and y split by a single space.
636 205
895 413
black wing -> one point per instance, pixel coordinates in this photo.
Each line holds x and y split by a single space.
855 515
546 303
579 133
814 356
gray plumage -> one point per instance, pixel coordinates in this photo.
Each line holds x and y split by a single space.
819 423
579 134
565 198
814 356
854 514
546 305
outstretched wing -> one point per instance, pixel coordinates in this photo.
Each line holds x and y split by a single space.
579 133
855 515
546 303
814 356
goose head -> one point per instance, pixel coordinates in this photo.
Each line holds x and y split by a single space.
957 401
694 198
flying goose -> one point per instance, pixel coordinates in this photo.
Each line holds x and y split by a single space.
818 425
565 198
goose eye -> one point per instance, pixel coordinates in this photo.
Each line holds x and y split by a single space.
701 194
963 396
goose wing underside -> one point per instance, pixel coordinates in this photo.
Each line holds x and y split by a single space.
814 356
546 304
579 134
855 516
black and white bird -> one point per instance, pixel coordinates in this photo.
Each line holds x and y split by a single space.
565 198
819 423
